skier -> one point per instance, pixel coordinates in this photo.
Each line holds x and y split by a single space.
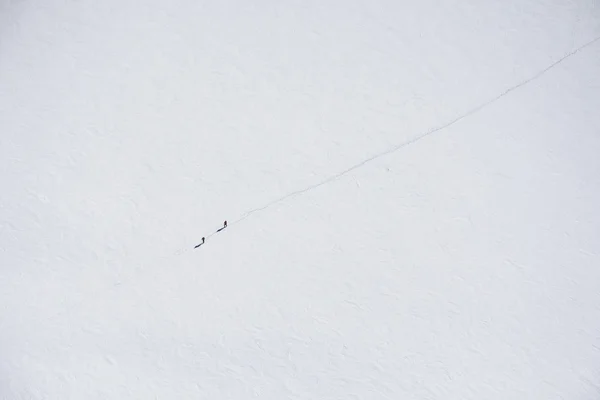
224 224
198 245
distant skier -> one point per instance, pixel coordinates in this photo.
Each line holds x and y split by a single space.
224 226
198 245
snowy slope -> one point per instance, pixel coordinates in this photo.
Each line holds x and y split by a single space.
369 254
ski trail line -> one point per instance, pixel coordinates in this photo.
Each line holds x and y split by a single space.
416 138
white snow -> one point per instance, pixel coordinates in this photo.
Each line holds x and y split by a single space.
412 191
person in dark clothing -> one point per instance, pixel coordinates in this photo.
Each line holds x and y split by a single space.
203 240
225 224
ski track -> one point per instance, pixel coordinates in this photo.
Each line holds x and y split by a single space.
402 145
405 144
416 138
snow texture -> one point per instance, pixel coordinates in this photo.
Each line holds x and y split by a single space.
412 191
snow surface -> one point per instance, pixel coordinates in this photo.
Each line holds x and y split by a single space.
412 190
